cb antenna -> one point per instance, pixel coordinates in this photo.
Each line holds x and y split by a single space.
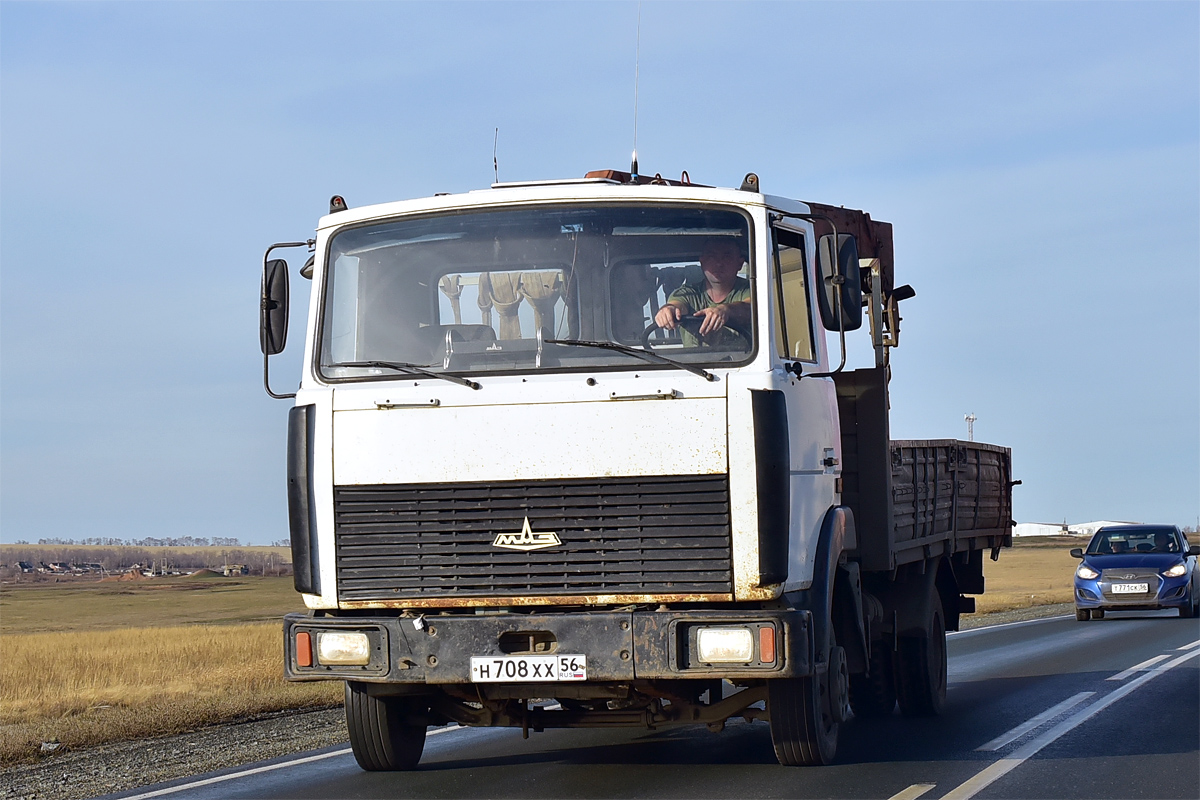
637 54
495 162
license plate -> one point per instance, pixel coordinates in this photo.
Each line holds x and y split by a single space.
528 669
1130 588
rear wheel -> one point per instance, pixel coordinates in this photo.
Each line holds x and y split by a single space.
386 733
1082 614
921 667
874 694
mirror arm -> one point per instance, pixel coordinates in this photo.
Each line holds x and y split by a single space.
309 243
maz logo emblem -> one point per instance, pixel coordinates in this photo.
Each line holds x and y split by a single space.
527 539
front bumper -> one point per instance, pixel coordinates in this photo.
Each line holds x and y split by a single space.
619 645
1171 593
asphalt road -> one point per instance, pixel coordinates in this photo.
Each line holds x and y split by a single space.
1042 709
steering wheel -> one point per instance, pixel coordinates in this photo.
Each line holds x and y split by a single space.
692 324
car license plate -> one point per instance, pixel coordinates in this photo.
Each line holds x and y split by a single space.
1130 588
528 669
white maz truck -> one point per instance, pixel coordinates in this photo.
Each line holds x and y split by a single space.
518 498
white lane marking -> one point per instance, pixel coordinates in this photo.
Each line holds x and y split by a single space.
258 770
913 792
987 628
1142 667
993 772
1035 722
1189 646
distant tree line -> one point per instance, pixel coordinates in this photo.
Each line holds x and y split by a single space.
119 557
149 541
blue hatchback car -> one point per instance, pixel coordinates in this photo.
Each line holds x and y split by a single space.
1137 568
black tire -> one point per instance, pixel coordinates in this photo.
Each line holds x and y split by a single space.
921 667
1082 614
874 694
386 733
803 731
1097 613
1190 610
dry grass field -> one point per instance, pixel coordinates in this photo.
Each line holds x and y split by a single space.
1034 572
85 663
88 687
98 605
88 662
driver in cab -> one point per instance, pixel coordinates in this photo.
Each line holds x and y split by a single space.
721 302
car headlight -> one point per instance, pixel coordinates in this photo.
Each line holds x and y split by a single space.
1176 571
1086 572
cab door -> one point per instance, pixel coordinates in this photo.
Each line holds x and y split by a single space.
811 402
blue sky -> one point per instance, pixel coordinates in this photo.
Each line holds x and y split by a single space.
1040 163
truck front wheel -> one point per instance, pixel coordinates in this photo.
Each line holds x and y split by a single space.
805 713
386 733
921 667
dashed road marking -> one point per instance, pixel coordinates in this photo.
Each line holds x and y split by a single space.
1035 722
993 772
1142 667
1189 646
913 792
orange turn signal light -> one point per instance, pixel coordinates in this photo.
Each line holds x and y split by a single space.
304 649
766 644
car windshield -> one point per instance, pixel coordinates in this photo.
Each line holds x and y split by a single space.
510 290
1148 540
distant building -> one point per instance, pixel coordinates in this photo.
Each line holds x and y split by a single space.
1081 529
233 570
23 566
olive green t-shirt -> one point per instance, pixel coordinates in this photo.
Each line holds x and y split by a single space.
694 297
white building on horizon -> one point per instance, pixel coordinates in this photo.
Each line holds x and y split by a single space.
1082 529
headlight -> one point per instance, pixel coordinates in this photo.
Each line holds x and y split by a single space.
1086 572
343 648
725 645
1176 571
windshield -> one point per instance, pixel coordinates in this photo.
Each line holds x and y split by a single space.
1144 540
470 292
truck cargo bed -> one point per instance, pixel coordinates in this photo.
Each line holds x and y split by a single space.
916 499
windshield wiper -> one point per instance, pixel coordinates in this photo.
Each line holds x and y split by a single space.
639 353
412 369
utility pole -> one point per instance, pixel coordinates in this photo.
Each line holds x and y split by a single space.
970 418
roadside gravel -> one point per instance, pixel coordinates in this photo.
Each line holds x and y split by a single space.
93 771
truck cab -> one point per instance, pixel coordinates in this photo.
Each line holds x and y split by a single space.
517 497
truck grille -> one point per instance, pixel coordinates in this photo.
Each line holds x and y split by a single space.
641 535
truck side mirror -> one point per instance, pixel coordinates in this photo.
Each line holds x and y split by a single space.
273 309
1077 552
841 286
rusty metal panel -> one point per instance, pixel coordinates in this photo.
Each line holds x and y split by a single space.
874 238
946 494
